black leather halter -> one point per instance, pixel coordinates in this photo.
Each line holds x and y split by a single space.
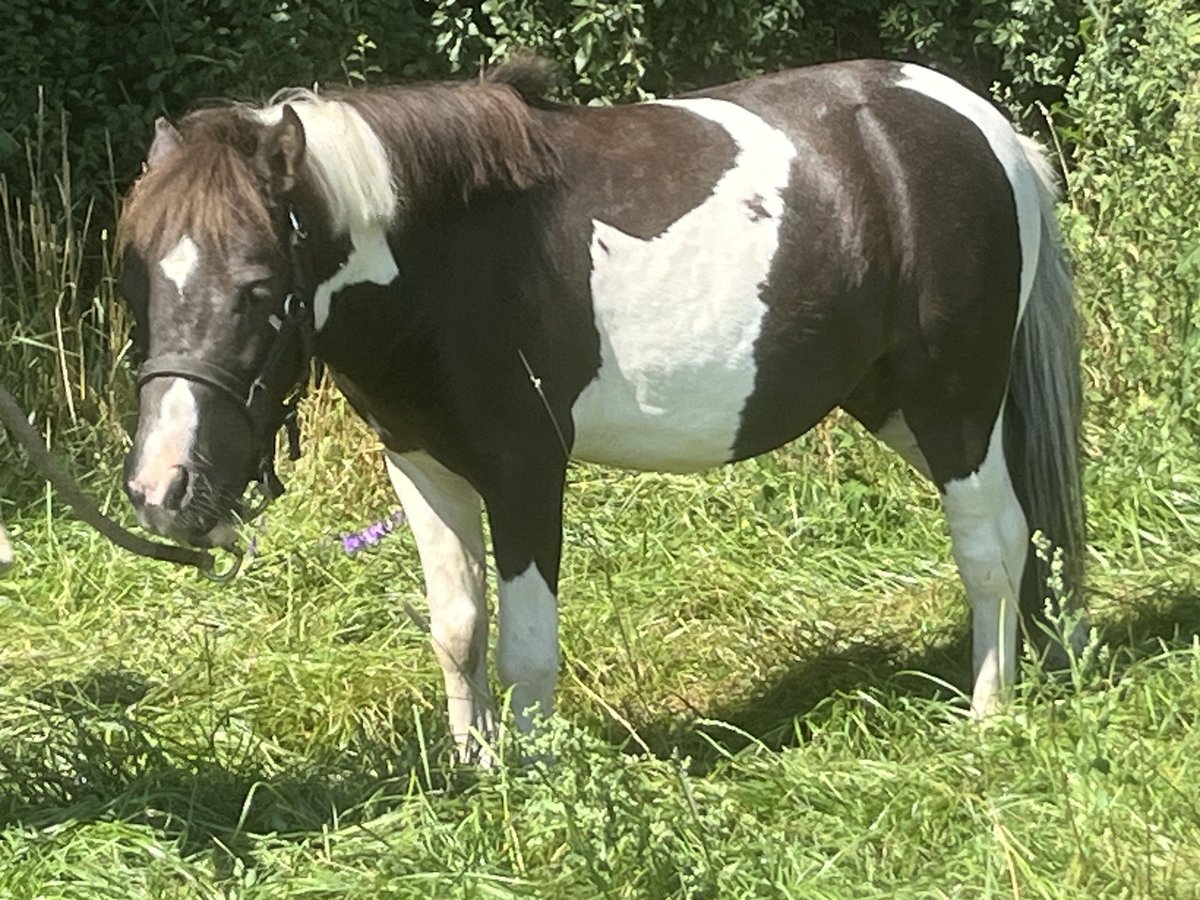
293 340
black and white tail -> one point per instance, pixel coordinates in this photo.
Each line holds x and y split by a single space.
1042 424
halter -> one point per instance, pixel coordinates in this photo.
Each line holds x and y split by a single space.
294 335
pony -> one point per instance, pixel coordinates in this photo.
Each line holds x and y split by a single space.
500 284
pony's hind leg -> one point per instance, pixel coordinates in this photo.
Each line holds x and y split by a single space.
445 515
988 534
990 539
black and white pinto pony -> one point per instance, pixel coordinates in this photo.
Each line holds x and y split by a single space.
500 284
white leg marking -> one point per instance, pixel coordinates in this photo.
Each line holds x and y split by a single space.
990 539
896 434
444 513
179 264
170 436
527 649
678 314
1005 144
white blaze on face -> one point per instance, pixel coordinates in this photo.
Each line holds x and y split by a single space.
179 264
679 314
169 438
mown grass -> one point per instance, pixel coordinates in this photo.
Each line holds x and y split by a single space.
761 697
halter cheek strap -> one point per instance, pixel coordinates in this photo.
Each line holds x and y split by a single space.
293 340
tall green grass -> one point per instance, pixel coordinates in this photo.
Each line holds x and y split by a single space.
62 331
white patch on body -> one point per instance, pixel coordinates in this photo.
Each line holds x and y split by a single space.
1006 145
990 539
678 315
897 435
352 166
444 513
168 443
527 646
370 260
179 264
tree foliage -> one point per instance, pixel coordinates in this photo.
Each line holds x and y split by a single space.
113 66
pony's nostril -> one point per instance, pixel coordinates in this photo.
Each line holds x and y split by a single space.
137 495
177 490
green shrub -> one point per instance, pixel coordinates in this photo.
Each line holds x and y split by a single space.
1133 116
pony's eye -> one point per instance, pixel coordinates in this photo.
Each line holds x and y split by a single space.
254 293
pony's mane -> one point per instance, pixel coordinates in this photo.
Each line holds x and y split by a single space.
374 153
450 140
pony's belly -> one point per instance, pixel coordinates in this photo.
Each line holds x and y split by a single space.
670 434
679 314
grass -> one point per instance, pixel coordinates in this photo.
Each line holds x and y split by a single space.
786 639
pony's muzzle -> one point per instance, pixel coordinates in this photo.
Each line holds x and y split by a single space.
173 502
170 491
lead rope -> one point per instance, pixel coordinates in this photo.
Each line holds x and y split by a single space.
85 508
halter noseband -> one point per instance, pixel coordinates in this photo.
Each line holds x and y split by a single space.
294 337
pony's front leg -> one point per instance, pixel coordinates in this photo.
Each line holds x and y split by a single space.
526 520
444 513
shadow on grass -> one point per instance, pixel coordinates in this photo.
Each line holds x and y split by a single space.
786 711
84 758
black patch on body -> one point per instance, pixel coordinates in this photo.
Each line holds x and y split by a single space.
436 357
896 280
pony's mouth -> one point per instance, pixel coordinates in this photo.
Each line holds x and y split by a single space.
205 520
222 536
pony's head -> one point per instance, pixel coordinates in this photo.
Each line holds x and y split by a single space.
211 271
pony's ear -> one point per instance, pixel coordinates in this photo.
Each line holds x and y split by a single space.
166 141
282 150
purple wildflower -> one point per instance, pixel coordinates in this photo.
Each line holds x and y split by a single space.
372 534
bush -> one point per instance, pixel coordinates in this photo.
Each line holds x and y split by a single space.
1133 115
115 66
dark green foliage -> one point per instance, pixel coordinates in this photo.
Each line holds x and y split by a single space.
113 66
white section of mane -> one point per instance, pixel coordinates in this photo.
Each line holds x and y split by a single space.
346 155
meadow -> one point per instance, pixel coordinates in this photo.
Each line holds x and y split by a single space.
764 665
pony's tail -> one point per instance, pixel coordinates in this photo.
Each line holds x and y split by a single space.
1042 424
